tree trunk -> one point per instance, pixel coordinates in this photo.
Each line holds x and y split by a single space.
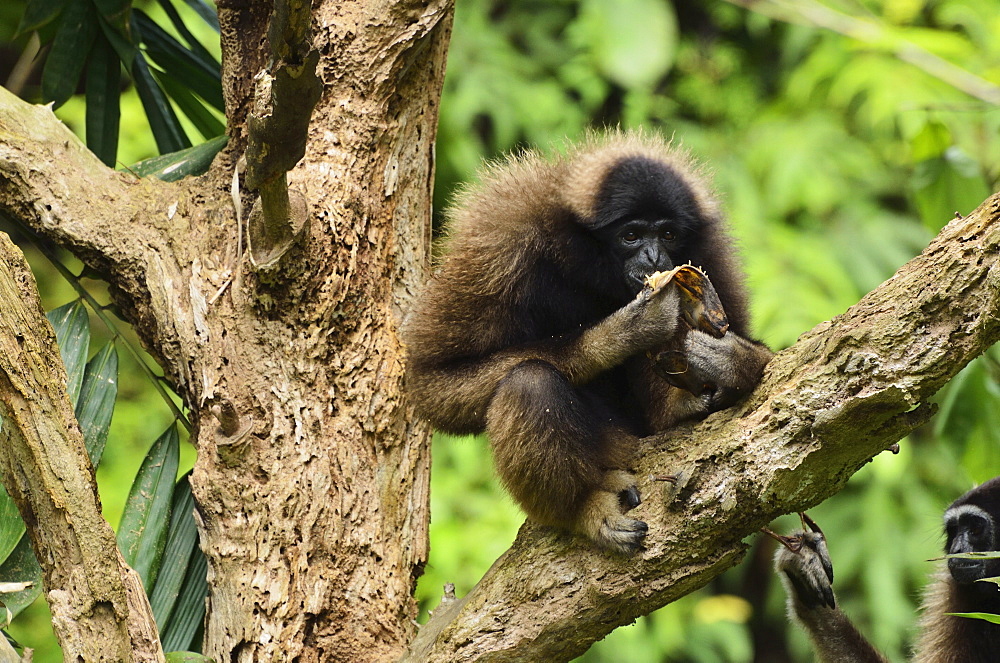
99 609
312 476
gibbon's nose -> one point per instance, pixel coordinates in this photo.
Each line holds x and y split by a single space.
652 255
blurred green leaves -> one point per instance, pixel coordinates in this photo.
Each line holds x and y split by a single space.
632 42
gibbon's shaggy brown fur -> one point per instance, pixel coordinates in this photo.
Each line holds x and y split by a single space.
535 328
971 525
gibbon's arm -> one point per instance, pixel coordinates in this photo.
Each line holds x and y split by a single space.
454 384
804 566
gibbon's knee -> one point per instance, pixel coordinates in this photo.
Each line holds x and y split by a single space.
546 445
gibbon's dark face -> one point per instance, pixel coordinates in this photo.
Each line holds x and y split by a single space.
970 527
646 217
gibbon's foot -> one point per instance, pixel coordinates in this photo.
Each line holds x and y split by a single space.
602 520
623 483
808 569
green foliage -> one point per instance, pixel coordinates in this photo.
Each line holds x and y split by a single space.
178 598
176 165
103 38
142 533
985 616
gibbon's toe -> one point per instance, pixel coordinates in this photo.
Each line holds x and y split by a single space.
629 498
622 534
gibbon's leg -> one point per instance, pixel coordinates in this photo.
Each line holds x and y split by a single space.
560 461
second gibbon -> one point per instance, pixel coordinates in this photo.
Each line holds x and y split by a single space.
535 330
971 525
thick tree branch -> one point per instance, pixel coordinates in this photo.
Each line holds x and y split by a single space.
99 608
845 391
138 234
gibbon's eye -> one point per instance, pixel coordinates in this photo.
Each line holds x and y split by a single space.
630 236
667 235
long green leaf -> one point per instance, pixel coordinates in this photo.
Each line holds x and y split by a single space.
21 566
163 122
72 327
182 543
176 165
69 52
189 612
201 76
985 616
97 401
143 529
207 124
182 29
207 12
104 78
186 657
11 526
115 13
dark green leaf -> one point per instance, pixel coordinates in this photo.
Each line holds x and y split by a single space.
945 185
172 167
11 526
163 122
115 13
70 50
143 529
97 400
21 566
182 29
181 546
38 13
201 76
104 79
189 612
72 327
207 124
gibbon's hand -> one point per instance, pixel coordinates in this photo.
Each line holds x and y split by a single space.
717 371
808 571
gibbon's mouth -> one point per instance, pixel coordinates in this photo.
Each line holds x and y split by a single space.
966 571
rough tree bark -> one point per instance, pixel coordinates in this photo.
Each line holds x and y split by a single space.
312 475
99 608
